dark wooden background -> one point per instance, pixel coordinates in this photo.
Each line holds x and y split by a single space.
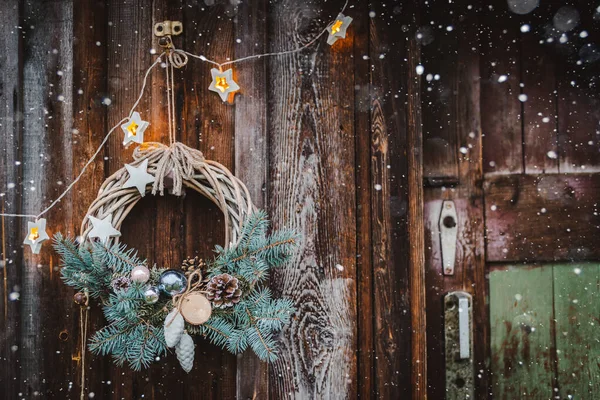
323 139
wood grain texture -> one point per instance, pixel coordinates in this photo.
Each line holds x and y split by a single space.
550 217
251 157
47 106
416 236
11 137
578 95
89 127
522 333
312 188
501 121
463 76
576 312
538 70
389 202
208 124
440 60
364 192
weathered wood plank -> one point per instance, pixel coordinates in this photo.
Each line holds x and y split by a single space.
389 202
251 157
500 79
128 33
416 238
89 127
522 333
11 122
578 95
208 124
47 163
469 275
440 58
542 218
312 190
364 192
539 85
577 309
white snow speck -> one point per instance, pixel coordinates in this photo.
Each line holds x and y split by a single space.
525 28
522 97
420 69
552 154
339 267
502 78
378 187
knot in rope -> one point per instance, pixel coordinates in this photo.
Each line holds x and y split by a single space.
177 162
177 58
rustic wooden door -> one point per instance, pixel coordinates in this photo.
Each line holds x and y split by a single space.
511 124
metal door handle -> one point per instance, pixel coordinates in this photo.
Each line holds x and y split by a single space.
448 225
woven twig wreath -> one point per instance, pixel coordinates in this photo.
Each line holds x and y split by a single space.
150 308
183 166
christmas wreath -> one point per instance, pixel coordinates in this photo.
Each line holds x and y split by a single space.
150 308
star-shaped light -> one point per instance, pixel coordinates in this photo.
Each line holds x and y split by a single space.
138 177
102 228
337 29
223 83
36 234
134 129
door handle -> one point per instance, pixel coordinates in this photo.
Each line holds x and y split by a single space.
458 333
448 225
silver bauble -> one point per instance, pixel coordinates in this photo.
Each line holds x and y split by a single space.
172 282
151 295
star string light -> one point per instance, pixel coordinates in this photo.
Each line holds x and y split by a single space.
337 29
134 129
36 234
223 83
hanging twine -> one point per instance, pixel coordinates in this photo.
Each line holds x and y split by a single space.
83 327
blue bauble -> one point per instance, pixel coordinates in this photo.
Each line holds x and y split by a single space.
172 282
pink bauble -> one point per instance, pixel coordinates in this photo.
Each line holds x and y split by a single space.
140 274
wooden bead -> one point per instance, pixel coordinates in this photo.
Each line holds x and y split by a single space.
80 299
195 308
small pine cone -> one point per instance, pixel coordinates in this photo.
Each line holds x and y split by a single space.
223 291
121 283
192 264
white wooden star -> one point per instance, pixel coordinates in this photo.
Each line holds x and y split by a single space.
36 234
223 83
134 129
337 29
102 228
138 177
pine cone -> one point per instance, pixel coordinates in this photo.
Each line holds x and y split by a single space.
121 283
223 291
192 264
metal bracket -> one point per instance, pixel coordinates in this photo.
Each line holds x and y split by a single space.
448 235
168 28
458 332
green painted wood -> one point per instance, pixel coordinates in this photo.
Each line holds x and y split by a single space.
577 310
521 333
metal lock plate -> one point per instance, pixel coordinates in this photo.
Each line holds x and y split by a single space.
168 28
458 332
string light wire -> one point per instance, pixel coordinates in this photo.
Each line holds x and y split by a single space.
173 59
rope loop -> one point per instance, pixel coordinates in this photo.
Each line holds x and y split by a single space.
178 58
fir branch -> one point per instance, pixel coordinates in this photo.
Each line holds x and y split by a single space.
290 241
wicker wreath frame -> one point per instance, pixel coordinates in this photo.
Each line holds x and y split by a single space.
185 167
